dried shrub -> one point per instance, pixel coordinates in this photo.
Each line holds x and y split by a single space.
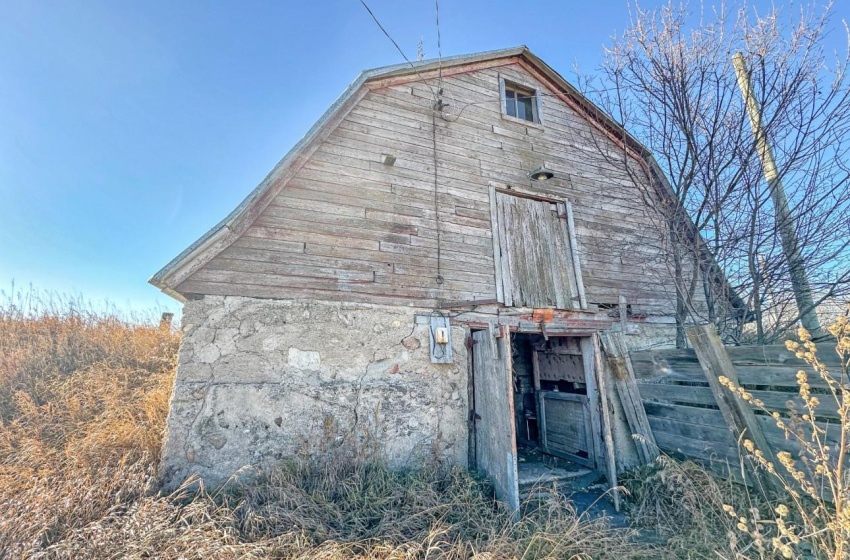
83 400
812 515
683 503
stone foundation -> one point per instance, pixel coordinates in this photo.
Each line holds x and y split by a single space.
261 380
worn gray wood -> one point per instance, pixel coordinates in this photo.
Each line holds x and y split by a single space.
538 106
557 244
495 430
538 400
538 259
502 98
564 234
623 378
342 199
623 307
505 257
560 367
715 363
576 256
594 400
567 426
497 247
771 365
607 434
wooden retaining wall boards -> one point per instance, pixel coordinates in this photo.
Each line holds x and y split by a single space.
684 414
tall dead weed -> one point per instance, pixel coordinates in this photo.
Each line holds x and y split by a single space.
83 400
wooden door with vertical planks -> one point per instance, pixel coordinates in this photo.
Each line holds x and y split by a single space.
495 428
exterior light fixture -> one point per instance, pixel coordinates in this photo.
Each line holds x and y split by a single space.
387 159
541 174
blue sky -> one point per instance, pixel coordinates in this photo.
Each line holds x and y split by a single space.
128 129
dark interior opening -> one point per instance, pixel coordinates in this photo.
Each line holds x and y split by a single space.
560 389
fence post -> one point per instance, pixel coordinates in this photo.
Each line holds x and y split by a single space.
742 421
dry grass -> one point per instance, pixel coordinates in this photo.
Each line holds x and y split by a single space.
683 503
83 400
806 517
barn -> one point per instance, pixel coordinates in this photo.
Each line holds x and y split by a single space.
426 276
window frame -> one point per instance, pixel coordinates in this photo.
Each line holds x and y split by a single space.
506 84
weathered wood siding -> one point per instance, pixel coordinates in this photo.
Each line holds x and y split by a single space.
348 227
684 414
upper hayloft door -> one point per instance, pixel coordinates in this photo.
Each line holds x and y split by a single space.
536 253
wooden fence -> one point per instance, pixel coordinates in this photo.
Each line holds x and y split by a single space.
684 414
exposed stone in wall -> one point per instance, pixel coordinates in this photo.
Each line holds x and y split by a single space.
262 380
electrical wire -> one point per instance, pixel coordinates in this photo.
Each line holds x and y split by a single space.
378 23
439 48
439 278
438 106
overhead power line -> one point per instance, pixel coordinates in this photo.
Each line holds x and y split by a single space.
401 52
437 106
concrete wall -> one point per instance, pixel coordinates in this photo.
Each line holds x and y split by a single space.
261 380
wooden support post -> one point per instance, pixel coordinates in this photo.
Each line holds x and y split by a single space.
624 380
538 398
610 460
589 364
497 247
715 362
576 256
623 307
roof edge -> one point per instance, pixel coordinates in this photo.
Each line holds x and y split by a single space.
161 278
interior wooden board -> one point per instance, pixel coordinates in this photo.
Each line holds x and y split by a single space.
567 426
561 367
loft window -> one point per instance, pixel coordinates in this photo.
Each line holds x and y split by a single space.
520 102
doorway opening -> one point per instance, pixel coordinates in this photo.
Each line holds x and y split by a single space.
532 413
552 413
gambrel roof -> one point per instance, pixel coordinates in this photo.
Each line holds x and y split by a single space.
221 236
223 233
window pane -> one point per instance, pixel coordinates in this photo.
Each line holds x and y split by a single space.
510 103
524 108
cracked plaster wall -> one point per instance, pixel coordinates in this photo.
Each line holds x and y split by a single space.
261 380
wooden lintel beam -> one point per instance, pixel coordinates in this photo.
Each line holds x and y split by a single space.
466 303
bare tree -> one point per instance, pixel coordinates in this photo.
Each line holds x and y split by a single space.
669 79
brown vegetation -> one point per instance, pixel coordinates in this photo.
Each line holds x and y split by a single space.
83 400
